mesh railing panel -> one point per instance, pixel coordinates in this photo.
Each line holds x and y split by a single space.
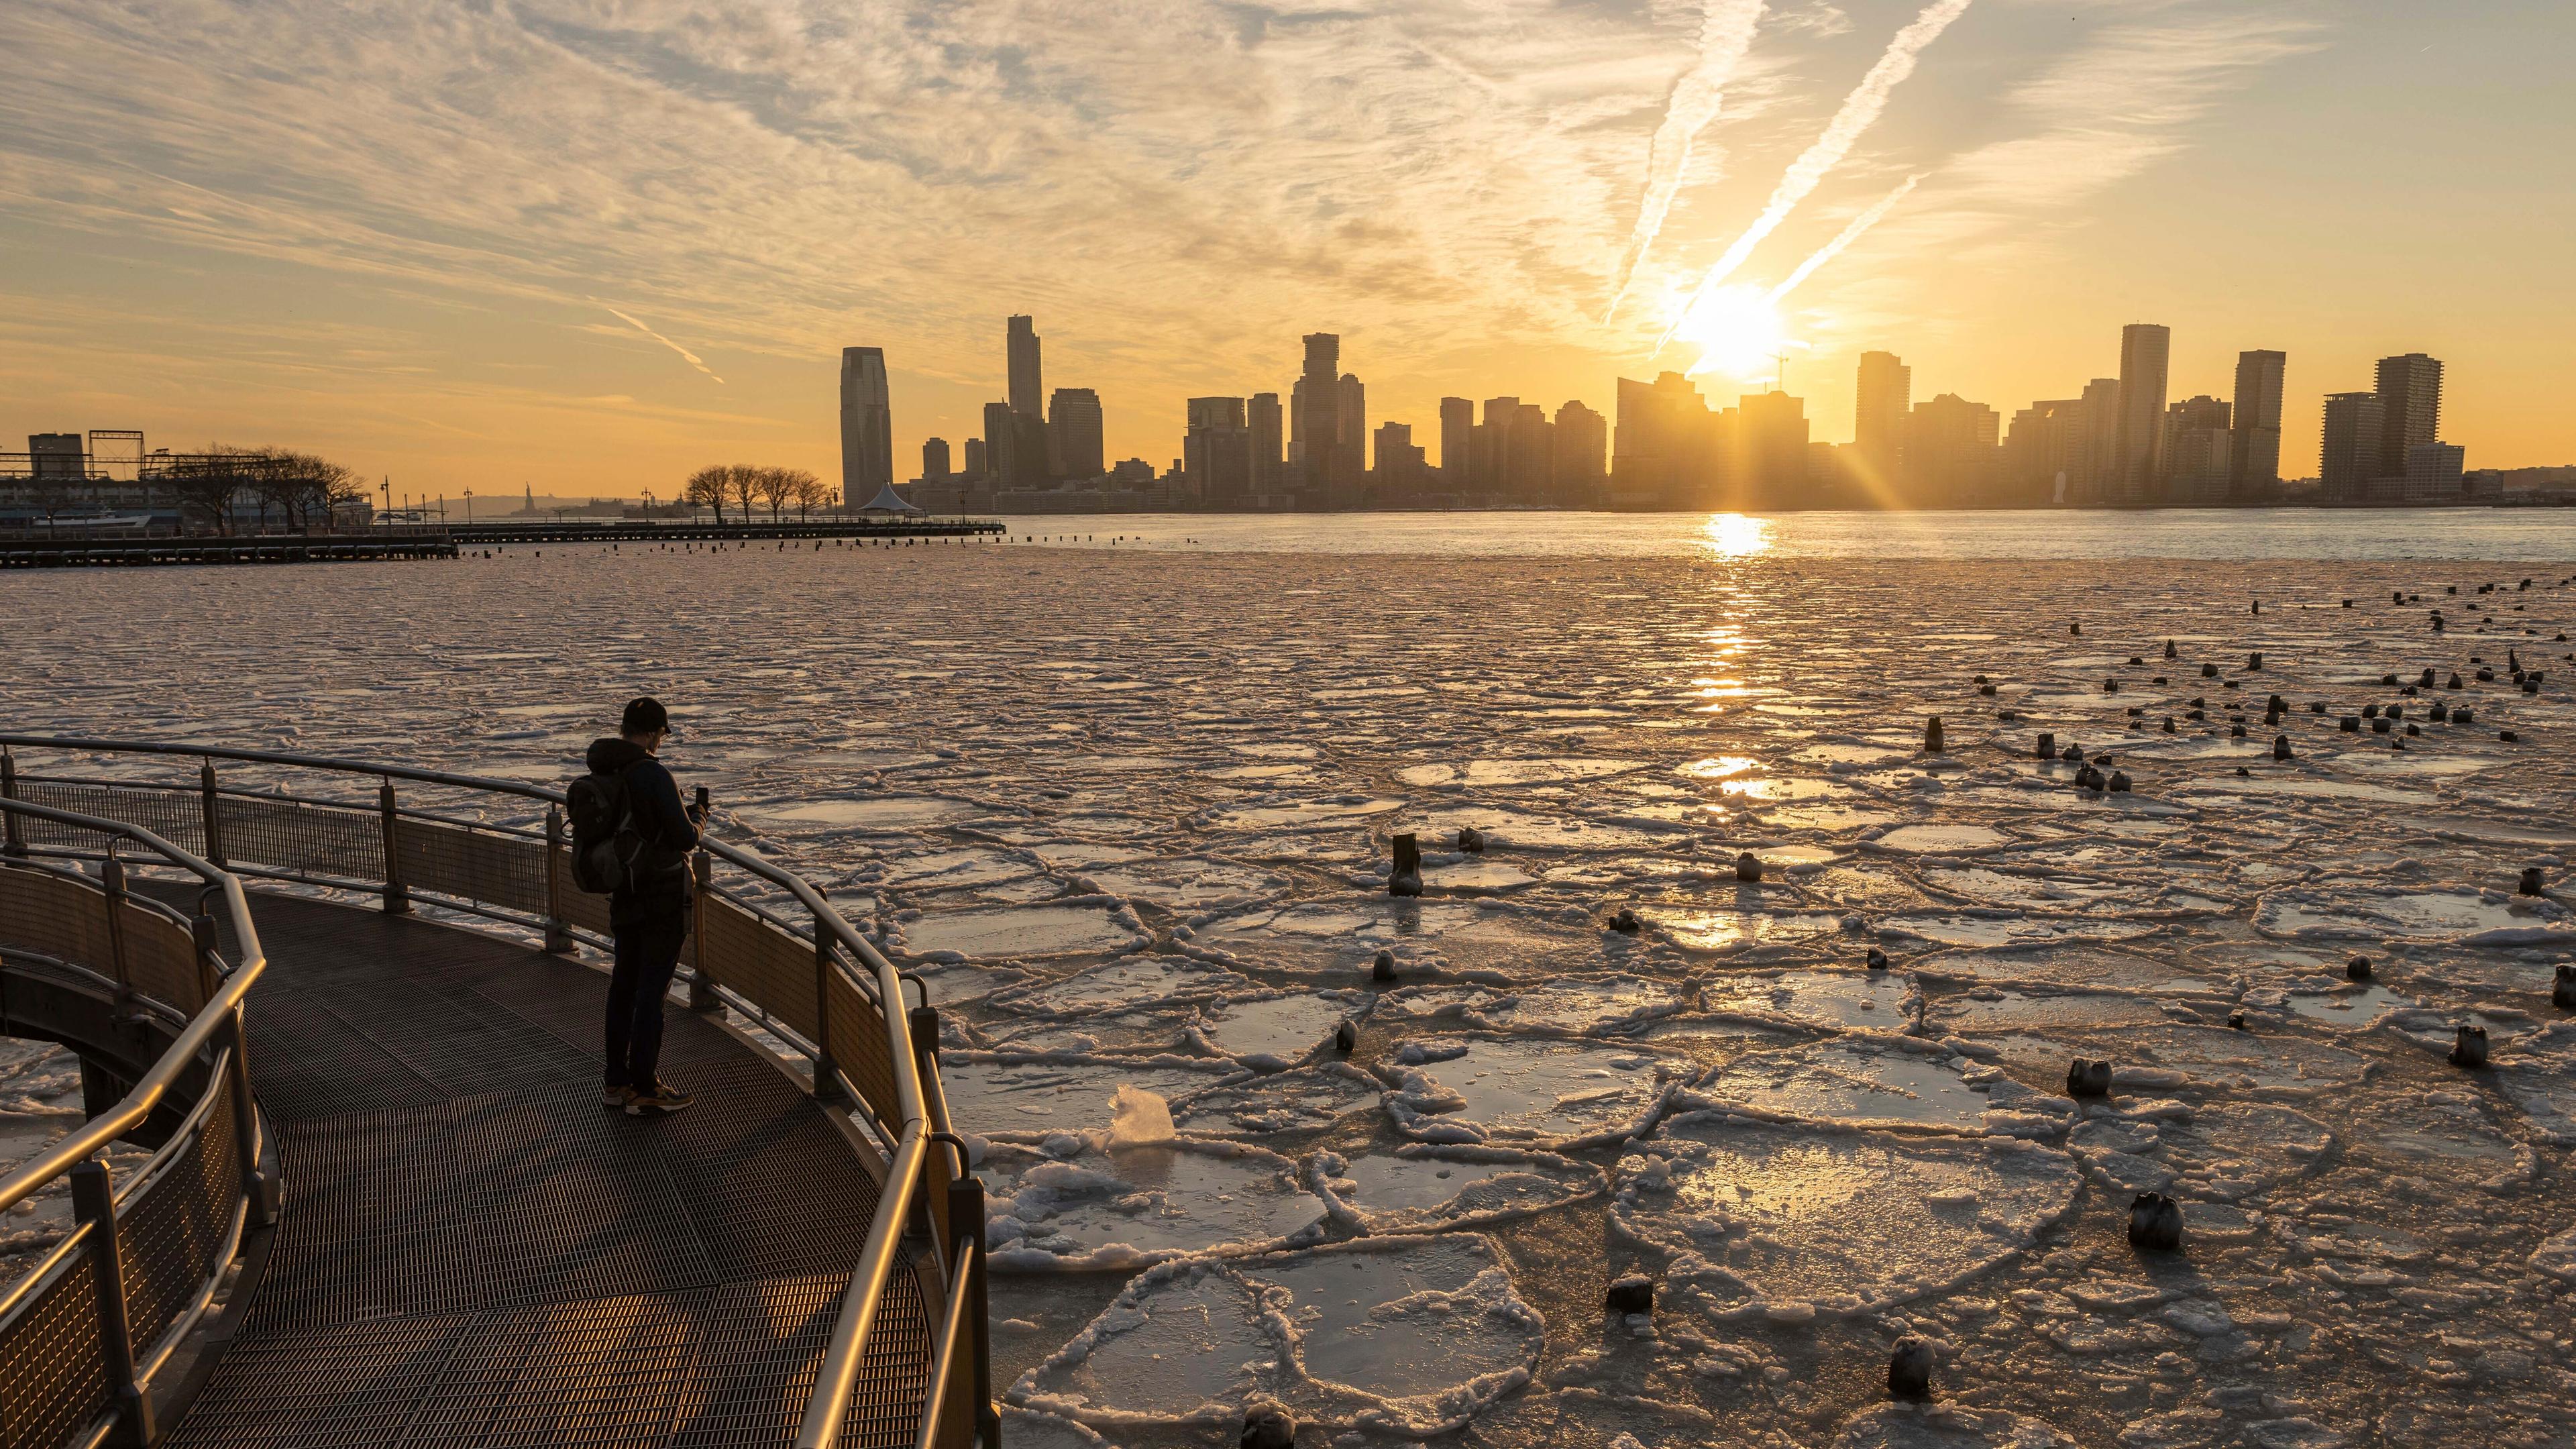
342 842
175 1232
52 1380
859 1046
177 816
161 959
55 915
740 951
507 871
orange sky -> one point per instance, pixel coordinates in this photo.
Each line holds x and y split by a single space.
481 249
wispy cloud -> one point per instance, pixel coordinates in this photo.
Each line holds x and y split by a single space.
1844 238
1859 111
1726 33
690 357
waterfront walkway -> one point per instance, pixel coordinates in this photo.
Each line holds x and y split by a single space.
474 1251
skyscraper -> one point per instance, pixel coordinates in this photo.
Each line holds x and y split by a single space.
1878 418
2097 477
1582 437
2199 453
867 425
2354 425
1950 453
2254 469
1350 423
2044 452
1661 444
1262 418
2145 349
1457 425
975 464
934 459
1771 452
1217 451
1317 424
1073 433
2410 409
1002 447
1028 398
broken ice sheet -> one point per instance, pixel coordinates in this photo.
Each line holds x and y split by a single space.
2222 1152
1274 1033
1187 886
1553 1094
1580 1006
1129 1206
1877 1082
1033 1096
1729 932
1790 1221
1400 1335
1426 1186
2268 1063
2539 1076
1305 1099
1025 1430
1083 926
1946 1426
1129 984
1988 1009
2457 915
2443 1137
1873 1000
1343 936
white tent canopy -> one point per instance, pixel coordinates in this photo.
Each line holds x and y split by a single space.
888 501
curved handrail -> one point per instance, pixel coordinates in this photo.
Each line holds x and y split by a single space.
921 1115
78 1145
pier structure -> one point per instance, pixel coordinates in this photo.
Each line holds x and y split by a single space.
346 1176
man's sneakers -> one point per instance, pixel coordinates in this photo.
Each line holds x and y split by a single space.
616 1098
661 1101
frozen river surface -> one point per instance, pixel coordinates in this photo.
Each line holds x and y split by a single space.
1132 812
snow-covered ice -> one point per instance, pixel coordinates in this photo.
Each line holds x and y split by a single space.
1128 816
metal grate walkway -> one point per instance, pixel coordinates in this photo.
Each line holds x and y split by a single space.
474 1252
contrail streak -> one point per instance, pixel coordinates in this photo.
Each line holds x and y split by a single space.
665 341
1725 34
1850 234
1859 110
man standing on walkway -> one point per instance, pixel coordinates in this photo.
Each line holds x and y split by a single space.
649 909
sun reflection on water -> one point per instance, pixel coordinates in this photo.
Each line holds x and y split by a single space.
1734 535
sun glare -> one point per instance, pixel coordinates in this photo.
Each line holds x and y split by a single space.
1733 535
1737 330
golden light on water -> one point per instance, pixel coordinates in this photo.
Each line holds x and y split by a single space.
1735 535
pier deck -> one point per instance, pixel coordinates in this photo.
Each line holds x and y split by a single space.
474 1251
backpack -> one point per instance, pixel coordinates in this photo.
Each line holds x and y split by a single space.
607 846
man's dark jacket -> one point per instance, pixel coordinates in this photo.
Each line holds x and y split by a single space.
660 886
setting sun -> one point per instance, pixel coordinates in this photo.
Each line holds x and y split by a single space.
1737 330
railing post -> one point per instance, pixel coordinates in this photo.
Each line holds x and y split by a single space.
966 1220
94 1204
827 1076
258 1187
558 934
702 866
15 842
397 899
214 813
111 877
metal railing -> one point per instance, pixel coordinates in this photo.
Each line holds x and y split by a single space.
764 942
140 1265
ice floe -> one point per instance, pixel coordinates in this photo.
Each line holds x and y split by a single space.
1425 1186
1551 1094
1125 1207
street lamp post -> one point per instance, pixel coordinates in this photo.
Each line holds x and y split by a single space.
469 505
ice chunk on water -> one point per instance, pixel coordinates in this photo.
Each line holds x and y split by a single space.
1188 886
1424 1186
1727 933
2221 1153
1582 1007
1990 1010
2539 1076
1779 1220
1543 1093
2557 1256
1139 981
2443 1137
1874 1000
1403 1336
1015 932
1335 937
1940 839
1024 1430
1138 1117
1946 1426
1303 1100
1882 1082
1032 1096
2457 915
1274 1033
2270 1064
1125 1206
2004 929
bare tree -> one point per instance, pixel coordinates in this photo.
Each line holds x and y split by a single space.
707 488
741 482
775 486
808 493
